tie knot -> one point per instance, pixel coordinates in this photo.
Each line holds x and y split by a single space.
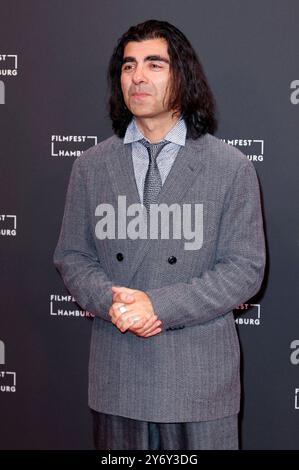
153 149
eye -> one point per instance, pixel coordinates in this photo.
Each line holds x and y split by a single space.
127 67
155 66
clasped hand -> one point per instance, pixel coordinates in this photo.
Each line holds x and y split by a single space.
139 317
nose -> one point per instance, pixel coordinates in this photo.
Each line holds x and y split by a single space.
138 75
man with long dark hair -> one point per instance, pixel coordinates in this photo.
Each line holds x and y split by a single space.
164 357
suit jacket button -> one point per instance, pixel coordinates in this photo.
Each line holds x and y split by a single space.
120 256
172 259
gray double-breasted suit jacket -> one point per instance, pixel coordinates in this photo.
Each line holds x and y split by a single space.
189 371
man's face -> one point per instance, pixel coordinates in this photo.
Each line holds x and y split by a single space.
145 77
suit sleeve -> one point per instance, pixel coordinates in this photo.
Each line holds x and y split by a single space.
239 263
75 255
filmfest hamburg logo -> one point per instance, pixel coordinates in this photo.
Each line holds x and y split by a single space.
8 379
8 68
8 225
8 65
248 314
252 148
66 306
71 145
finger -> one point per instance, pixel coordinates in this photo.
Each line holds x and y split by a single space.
113 310
116 314
156 325
149 324
146 320
128 323
124 290
125 319
115 307
123 297
153 333
119 288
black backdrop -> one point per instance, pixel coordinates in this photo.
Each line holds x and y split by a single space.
53 62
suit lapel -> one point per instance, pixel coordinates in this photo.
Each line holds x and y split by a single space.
121 172
183 173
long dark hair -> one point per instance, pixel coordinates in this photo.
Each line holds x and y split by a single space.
190 93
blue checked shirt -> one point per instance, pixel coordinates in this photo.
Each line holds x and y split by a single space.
176 137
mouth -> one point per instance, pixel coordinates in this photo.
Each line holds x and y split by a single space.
139 95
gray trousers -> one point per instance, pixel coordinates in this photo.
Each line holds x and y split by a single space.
118 433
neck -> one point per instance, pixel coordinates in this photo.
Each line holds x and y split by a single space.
155 129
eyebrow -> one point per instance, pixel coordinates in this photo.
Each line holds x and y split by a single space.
148 58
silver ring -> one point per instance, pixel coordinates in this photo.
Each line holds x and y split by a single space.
135 318
122 309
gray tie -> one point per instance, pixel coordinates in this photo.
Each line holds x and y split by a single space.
152 182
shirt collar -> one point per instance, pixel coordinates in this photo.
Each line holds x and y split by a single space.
176 135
